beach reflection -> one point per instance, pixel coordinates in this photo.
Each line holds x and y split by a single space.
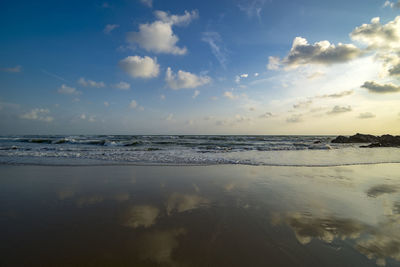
204 216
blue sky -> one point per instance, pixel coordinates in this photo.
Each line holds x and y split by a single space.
209 67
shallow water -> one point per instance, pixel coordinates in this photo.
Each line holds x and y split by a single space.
222 215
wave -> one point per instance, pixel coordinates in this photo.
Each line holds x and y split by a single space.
190 150
154 155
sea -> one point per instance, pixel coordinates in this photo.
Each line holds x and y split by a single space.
191 200
260 150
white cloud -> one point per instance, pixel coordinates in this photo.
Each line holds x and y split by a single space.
196 94
273 63
109 28
90 118
339 109
185 79
158 36
170 117
39 114
384 39
148 3
395 70
221 122
177 20
256 74
54 75
12 69
237 79
241 118
303 104
389 4
315 75
140 67
376 35
266 115
66 90
214 40
89 83
252 8
337 95
134 105
366 115
230 95
323 52
295 118
122 86
374 87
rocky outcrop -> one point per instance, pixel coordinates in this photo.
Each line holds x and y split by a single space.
386 140
357 138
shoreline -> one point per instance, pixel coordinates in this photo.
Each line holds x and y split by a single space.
306 158
190 165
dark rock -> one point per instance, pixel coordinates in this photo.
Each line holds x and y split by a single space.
340 139
317 142
389 140
373 145
386 140
363 138
357 138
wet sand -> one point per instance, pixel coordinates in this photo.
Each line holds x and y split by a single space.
221 215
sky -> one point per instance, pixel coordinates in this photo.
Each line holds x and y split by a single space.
200 67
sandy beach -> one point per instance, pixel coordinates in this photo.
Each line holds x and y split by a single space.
223 215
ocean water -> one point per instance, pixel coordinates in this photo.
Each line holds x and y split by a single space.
188 150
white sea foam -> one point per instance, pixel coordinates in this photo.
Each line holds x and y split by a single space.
189 150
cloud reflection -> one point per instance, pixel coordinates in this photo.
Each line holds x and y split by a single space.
325 229
181 202
66 193
381 189
383 242
89 200
143 215
375 242
157 246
